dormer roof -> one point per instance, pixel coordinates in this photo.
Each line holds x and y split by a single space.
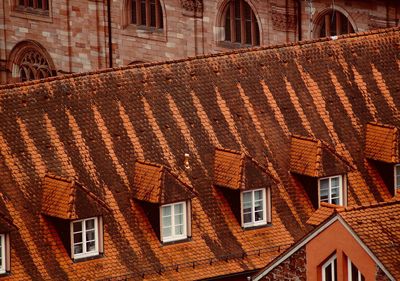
65 198
382 143
236 170
314 158
155 183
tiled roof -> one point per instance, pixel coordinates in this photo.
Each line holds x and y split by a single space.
382 143
323 212
156 184
66 199
94 127
313 158
239 171
378 227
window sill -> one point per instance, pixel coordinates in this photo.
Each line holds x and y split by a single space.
188 239
257 226
32 14
83 259
230 45
5 274
146 33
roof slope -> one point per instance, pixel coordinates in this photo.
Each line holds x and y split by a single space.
378 227
94 127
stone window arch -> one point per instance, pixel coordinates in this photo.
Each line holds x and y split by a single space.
333 22
240 24
30 61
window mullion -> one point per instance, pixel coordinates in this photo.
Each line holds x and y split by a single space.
138 13
338 23
327 25
253 29
84 236
157 14
233 25
148 21
242 23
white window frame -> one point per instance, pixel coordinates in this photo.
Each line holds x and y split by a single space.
331 262
330 189
349 275
396 183
173 236
265 202
3 259
85 253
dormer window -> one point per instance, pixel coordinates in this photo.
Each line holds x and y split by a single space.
173 222
165 199
330 190
85 238
254 207
382 147
75 213
312 163
246 186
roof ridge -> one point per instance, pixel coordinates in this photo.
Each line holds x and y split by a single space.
60 178
221 54
229 150
383 125
307 138
393 201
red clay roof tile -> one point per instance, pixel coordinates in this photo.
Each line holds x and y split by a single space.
382 143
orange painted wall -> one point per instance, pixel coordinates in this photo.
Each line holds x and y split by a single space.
336 239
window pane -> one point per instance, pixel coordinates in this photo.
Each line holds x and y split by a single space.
133 16
89 224
258 195
153 13
166 221
160 16
247 197
77 226
258 206
90 235
77 237
166 211
179 230
247 208
247 218
335 181
328 273
78 249
228 24
179 219
90 246
397 176
178 209
259 216
167 231
143 11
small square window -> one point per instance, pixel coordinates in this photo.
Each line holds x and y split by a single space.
331 190
254 208
173 222
84 238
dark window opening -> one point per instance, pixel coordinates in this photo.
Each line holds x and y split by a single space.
147 13
34 4
241 24
335 23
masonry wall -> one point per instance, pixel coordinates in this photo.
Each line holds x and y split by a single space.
292 269
75 34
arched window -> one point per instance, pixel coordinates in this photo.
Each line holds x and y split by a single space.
146 13
241 24
334 23
30 61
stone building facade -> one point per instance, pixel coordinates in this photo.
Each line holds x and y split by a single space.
41 38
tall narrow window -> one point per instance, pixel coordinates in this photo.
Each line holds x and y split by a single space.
173 222
330 190
84 237
353 273
2 253
254 208
397 176
241 24
147 13
329 270
335 23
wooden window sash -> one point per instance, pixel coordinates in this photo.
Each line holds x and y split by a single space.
158 12
233 25
242 23
148 15
338 23
138 12
253 29
327 25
